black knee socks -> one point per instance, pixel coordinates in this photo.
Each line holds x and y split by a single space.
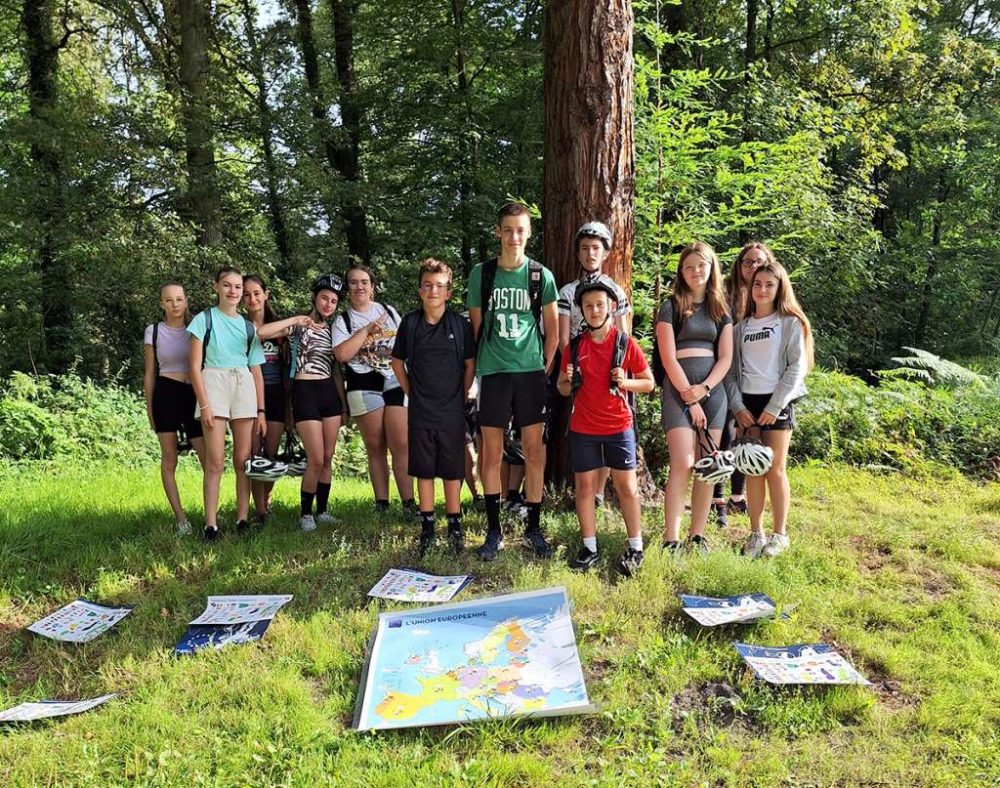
322 496
306 500
492 502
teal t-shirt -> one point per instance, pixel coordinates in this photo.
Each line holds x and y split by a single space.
514 343
227 347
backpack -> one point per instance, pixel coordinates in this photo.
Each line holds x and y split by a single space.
251 333
659 372
489 274
617 359
156 354
453 322
388 310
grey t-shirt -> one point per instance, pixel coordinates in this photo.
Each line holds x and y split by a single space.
698 331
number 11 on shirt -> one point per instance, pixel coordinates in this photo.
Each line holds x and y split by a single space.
508 333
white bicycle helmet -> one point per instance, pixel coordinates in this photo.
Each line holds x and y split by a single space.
293 457
716 465
262 468
751 457
597 230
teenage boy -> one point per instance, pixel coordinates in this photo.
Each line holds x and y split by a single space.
434 361
508 297
599 369
593 244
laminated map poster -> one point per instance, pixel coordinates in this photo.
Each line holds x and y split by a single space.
79 622
241 609
503 656
44 709
199 636
406 585
712 612
811 663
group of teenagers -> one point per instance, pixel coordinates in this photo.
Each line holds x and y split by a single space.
733 354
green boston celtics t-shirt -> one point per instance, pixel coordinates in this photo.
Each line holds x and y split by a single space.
514 343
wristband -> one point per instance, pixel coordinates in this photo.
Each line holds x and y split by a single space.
708 389
204 407
261 410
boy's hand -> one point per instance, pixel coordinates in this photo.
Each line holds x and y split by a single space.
618 376
569 371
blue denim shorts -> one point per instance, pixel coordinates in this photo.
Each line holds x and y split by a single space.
589 452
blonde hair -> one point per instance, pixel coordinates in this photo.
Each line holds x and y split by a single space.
715 296
736 290
785 303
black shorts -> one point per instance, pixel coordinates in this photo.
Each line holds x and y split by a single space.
173 407
315 400
520 395
437 453
274 402
394 397
755 403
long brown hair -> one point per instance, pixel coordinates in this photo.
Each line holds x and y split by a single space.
269 315
715 296
736 291
785 303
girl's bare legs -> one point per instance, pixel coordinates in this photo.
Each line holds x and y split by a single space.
682 445
756 493
262 490
215 462
777 477
242 430
373 433
168 472
331 429
311 435
398 441
701 498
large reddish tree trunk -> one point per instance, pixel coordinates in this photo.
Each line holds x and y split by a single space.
589 146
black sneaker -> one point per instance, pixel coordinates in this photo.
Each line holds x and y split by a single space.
598 501
456 539
737 507
381 507
698 544
478 503
630 562
719 510
211 533
490 549
242 526
425 544
672 547
410 508
535 539
584 560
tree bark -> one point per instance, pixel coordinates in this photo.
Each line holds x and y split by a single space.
589 157
465 184
276 212
202 201
41 53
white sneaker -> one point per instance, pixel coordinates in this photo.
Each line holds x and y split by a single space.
778 543
184 528
754 545
308 523
326 517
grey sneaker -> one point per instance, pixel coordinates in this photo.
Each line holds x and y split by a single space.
184 527
326 517
754 544
698 544
307 523
490 549
778 543
535 539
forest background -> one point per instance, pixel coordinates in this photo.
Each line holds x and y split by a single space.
159 139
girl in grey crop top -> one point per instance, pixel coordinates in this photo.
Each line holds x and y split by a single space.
698 331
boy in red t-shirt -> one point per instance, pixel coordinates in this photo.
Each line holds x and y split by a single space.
601 429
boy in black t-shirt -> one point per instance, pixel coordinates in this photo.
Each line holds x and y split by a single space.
434 361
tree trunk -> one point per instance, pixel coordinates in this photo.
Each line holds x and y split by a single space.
41 53
933 261
202 202
348 159
266 129
589 147
465 185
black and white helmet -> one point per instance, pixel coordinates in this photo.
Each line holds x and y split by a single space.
262 468
597 230
183 442
716 465
292 456
752 457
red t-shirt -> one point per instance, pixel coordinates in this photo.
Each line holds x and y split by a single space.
596 411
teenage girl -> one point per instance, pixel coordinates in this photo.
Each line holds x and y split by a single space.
317 394
170 401
696 360
229 390
773 351
257 303
750 257
363 339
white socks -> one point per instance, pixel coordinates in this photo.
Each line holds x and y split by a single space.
590 542
635 542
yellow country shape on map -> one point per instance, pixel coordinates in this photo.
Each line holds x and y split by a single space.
403 706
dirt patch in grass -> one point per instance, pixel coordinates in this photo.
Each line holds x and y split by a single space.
715 701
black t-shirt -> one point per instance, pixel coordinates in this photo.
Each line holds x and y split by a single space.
436 397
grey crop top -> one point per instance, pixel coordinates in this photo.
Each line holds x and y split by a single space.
698 331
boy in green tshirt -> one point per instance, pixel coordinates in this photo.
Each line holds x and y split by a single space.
512 300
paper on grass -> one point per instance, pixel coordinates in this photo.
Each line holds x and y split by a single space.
407 585
712 611
44 709
199 636
79 622
806 663
241 609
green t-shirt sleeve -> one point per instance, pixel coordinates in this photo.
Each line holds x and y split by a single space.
472 300
196 327
549 292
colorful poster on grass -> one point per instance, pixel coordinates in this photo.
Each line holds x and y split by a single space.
504 656
241 609
808 663
45 709
712 612
199 636
406 585
79 622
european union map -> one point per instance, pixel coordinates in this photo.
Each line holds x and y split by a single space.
505 656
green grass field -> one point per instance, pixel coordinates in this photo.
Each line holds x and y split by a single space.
902 576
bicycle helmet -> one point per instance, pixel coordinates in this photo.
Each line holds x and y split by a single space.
183 442
262 468
328 282
752 457
589 286
597 230
292 456
716 465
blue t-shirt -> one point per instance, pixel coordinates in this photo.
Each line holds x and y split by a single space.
227 347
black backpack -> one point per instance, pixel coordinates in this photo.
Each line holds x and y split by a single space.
489 274
617 359
454 324
250 328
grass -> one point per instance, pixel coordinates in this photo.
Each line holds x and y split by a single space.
901 575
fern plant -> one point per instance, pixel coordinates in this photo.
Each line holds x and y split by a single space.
933 370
